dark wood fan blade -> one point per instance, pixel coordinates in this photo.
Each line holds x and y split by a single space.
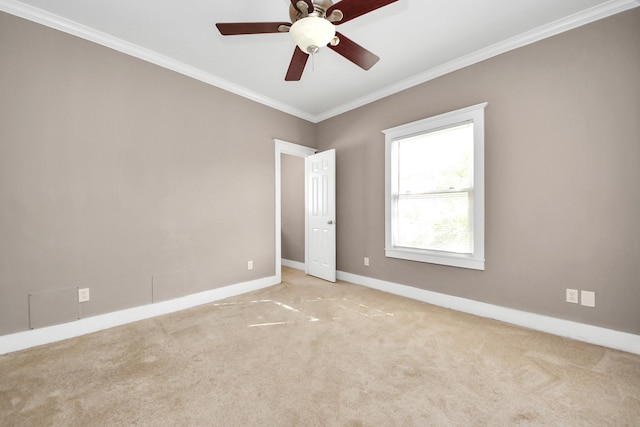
237 28
353 8
296 67
355 53
304 12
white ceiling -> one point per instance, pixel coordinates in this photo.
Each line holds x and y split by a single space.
416 40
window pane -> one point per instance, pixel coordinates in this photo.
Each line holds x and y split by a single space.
435 222
436 161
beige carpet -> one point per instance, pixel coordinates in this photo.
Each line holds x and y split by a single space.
310 353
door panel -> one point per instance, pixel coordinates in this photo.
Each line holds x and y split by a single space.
321 209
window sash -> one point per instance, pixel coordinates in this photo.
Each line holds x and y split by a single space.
399 241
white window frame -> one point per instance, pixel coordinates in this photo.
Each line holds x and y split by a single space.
475 260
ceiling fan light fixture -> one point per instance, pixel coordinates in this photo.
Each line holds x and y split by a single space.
311 33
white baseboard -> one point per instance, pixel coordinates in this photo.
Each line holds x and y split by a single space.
579 331
293 264
35 337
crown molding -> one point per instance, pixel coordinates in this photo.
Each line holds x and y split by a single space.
593 14
557 27
71 27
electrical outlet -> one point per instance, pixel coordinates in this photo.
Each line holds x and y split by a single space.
572 296
366 261
250 265
83 295
588 298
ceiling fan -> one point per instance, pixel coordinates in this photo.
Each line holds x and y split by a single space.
313 26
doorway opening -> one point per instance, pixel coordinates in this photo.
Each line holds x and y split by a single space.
288 148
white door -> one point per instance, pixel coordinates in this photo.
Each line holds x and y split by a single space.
321 214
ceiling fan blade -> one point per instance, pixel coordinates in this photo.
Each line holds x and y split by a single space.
353 8
309 3
237 28
296 67
354 52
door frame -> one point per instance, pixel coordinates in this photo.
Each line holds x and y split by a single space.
284 147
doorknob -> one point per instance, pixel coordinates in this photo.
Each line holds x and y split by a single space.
330 222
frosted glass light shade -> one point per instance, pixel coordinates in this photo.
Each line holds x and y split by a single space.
311 33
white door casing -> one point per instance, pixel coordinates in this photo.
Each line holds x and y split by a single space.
321 214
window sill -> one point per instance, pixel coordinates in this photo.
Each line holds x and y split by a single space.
442 258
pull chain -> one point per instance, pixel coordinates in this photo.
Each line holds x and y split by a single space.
312 51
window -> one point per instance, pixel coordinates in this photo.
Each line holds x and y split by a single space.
434 191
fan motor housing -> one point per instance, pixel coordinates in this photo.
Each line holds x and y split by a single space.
320 8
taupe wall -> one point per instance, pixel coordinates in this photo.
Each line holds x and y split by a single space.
292 192
113 170
562 170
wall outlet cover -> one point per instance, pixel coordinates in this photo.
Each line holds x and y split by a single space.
588 298
572 296
83 295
